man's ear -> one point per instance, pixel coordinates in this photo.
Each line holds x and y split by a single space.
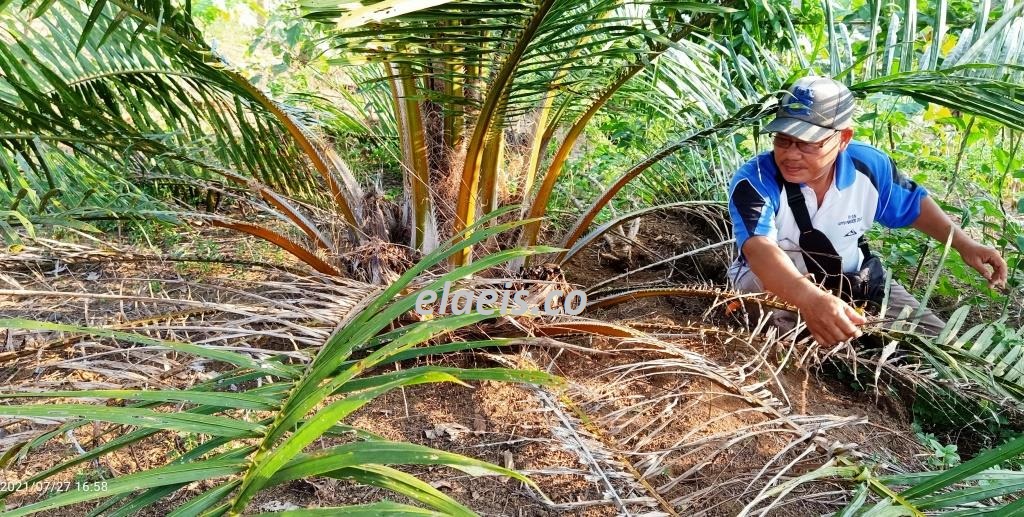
845 135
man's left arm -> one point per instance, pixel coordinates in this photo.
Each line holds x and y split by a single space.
936 224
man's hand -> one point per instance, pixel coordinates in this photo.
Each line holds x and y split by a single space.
830 319
979 256
934 222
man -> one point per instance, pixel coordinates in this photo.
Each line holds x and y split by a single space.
845 186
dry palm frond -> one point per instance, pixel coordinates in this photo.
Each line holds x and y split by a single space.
646 409
276 314
620 481
663 261
581 327
719 296
43 251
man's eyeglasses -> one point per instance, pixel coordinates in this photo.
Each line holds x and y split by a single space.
783 142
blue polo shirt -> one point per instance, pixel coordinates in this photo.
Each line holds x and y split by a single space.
867 188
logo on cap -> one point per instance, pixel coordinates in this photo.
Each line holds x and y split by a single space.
802 101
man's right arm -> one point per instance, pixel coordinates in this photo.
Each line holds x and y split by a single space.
829 319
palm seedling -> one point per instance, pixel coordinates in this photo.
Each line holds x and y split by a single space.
260 434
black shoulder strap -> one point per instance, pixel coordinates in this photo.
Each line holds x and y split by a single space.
820 256
798 206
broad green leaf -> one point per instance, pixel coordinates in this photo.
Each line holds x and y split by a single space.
969 495
404 484
385 453
859 497
425 351
914 478
138 502
1014 509
986 460
311 391
466 374
202 503
129 438
265 466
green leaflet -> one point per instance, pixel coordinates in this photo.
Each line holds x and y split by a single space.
983 461
405 484
209 398
388 453
187 422
265 466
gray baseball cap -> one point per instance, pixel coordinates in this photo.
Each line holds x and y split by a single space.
812 108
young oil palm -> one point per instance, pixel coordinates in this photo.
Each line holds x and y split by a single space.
262 433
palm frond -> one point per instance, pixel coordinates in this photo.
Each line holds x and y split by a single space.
332 378
983 484
133 90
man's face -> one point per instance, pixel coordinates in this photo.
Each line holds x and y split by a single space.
805 162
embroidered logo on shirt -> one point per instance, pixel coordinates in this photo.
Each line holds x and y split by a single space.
851 233
801 102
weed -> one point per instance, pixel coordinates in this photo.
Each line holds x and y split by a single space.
943 456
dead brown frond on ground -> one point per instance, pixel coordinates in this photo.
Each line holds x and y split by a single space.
248 309
714 439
